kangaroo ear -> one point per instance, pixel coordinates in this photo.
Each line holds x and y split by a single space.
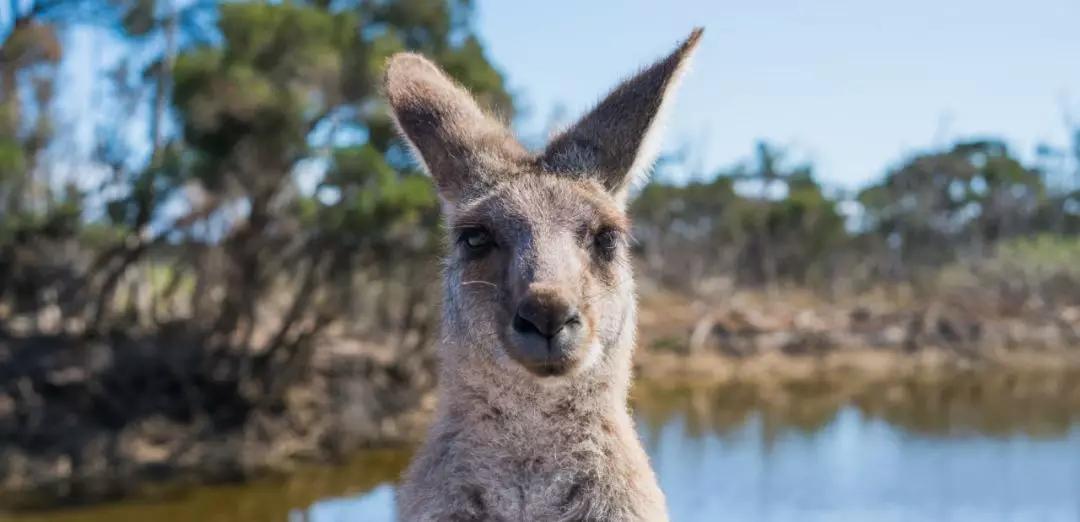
462 148
618 140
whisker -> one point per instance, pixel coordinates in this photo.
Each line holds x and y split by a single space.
493 285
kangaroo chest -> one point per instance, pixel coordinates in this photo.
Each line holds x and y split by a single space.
547 482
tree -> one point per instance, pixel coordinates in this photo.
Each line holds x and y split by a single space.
970 195
762 236
249 102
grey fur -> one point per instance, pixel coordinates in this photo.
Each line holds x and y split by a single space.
509 444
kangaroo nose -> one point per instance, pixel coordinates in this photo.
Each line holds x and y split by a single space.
545 314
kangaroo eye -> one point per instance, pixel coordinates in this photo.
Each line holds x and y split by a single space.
475 239
607 241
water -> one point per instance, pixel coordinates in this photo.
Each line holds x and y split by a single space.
1006 450
861 469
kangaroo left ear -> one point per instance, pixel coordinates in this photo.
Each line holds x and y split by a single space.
463 149
617 142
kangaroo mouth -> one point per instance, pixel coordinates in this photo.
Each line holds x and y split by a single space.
549 369
546 356
540 361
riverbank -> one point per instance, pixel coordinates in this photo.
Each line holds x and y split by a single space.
803 358
771 344
850 364
88 421
746 332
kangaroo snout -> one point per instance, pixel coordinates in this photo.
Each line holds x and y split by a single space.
545 313
547 329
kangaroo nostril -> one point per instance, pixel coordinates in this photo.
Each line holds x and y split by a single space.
525 326
544 317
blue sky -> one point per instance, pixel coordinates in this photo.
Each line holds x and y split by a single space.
854 86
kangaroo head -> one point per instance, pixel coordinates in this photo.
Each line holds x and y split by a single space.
538 273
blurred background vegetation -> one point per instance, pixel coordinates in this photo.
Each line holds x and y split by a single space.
247 200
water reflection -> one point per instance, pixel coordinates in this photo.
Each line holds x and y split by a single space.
963 447
996 404
358 488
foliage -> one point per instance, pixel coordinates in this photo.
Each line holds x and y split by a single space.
975 192
216 226
768 222
701 229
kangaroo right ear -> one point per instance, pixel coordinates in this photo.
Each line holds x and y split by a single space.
462 148
618 140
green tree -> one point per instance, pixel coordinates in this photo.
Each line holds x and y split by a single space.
250 103
28 58
290 88
782 228
934 204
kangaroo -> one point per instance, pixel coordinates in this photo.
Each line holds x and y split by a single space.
532 422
